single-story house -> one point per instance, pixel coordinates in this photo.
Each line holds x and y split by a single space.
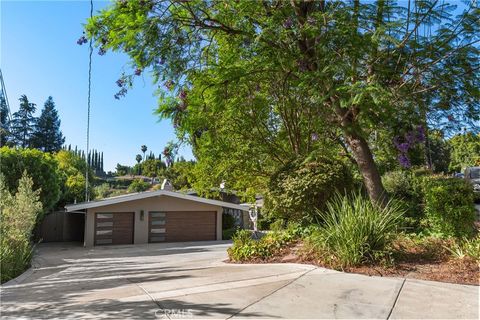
152 216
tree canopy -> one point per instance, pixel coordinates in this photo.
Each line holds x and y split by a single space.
254 84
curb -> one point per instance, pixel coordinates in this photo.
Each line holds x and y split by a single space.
20 278
26 274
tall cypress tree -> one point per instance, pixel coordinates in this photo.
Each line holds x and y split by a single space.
101 162
23 123
47 136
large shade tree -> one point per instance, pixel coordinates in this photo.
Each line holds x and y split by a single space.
268 78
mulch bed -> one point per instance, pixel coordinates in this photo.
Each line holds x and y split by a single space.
411 265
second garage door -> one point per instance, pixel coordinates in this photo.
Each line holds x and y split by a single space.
182 226
114 228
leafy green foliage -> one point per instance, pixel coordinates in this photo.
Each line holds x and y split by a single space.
152 167
18 215
465 151
298 190
466 248
354 231
41 167
407 189
181 174
449 206
138 185
71 170
246 249
250 83
121 170
102 191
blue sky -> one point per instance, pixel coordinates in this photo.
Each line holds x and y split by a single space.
39 57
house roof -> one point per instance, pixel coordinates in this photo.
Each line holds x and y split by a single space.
149 194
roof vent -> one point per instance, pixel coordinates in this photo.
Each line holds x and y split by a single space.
167 185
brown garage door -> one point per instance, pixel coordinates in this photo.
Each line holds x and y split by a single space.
182 226
114 228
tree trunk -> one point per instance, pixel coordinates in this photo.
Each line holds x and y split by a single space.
371 177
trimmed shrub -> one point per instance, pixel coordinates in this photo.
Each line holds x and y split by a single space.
302 187
354 231
449 206
246 249
138 185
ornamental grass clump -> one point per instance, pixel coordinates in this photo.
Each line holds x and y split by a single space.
354 231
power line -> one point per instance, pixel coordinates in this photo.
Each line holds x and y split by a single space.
4 94
87 196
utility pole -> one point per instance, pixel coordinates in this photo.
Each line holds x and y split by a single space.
3 93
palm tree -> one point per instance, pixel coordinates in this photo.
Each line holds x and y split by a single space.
139 159
144 149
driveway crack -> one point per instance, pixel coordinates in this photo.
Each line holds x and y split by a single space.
155 301
396 299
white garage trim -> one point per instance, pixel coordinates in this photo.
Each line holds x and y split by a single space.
149 194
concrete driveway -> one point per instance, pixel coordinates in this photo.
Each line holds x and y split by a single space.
189 280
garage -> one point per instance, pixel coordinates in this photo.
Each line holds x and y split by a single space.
114 228
152 217
182 226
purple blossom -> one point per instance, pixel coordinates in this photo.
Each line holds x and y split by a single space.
183 95
403 147
82 40
120 93
404 160
410 137
101 51
138 71
420 134
287 24
314 136
120 82
161 61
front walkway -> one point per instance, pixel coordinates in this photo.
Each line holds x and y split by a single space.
189 280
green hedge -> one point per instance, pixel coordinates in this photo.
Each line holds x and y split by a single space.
40 166
449 206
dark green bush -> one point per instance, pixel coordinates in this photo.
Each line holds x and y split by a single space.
406 187
227 234
302 187
228 221
449 206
